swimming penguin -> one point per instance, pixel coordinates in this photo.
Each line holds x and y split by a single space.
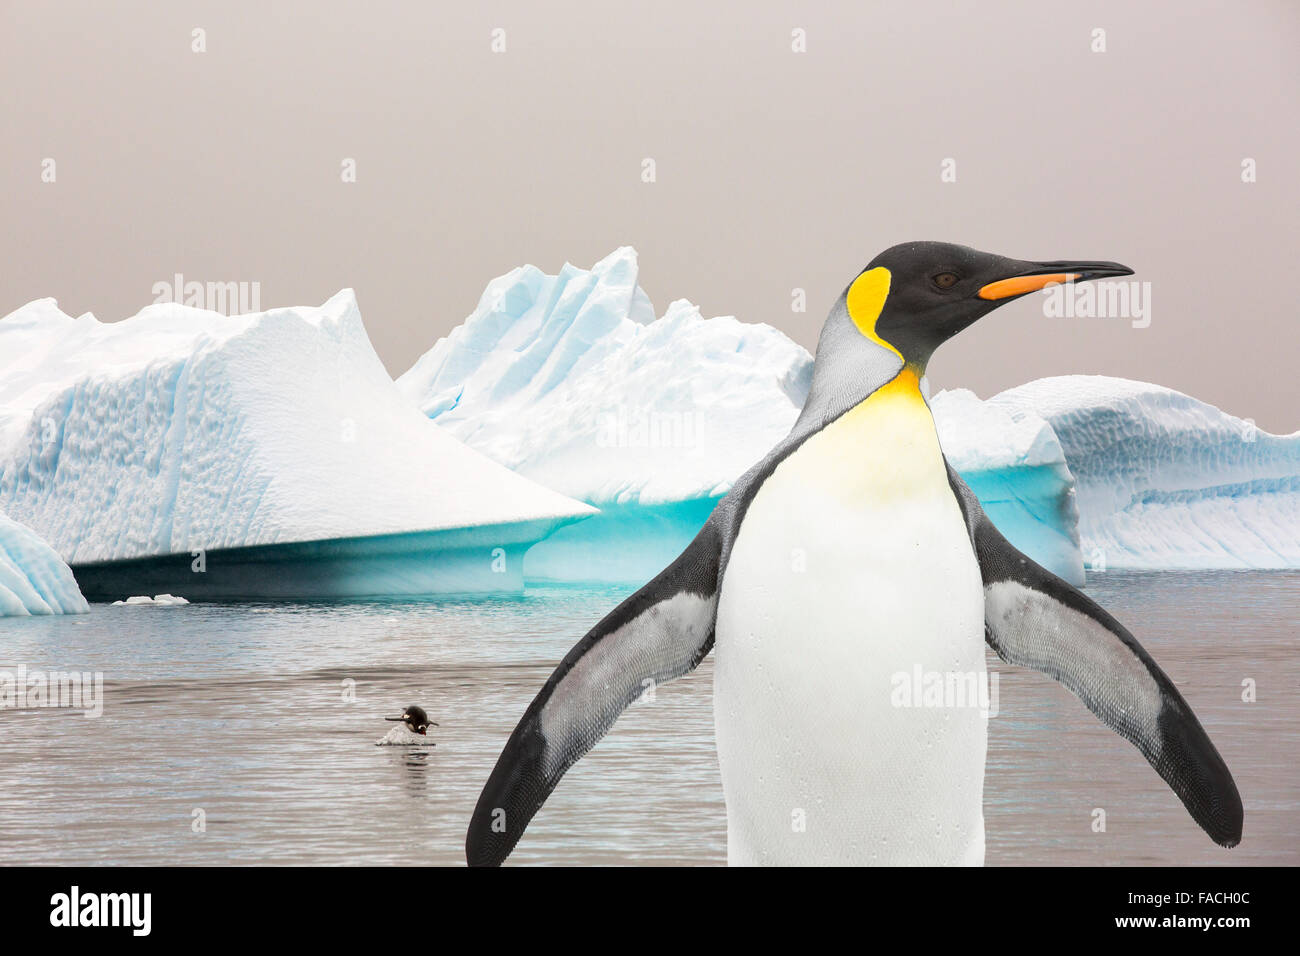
850 556
415 723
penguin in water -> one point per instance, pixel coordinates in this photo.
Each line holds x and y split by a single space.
412 731
850 555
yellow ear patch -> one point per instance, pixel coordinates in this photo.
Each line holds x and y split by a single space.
865 301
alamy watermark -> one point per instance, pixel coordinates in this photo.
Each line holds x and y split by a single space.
131 911
945 689
1099 300
21 689
638 428
228 298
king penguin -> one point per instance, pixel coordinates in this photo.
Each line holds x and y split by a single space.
847 562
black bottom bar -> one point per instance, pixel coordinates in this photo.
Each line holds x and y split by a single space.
986 907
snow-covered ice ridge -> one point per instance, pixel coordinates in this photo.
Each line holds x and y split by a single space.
1166 481
571 381
33 579
277 434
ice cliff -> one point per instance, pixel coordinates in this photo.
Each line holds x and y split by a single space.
259 455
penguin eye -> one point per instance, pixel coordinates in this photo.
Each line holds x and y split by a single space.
945 280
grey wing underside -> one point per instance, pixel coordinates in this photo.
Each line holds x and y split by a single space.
1035 619
659 633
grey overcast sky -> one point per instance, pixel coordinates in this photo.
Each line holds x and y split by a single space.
775 169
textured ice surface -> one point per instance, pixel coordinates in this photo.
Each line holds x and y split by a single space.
33 579
571 381
1166 481
181 429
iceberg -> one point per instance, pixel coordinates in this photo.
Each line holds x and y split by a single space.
267 455
571 381
33 578
159 600
1166 481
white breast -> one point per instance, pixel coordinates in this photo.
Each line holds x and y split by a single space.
852 577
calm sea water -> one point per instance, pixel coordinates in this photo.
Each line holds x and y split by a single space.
243 712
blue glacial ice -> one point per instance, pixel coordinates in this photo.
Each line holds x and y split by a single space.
265 455
1163 480
33 579
572 382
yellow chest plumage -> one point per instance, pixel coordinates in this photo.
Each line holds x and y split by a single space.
881 451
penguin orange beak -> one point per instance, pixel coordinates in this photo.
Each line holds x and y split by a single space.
1040 274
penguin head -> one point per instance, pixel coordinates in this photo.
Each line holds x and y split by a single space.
915 296
415 719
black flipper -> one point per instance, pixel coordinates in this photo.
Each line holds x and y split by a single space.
1034 619
661 632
